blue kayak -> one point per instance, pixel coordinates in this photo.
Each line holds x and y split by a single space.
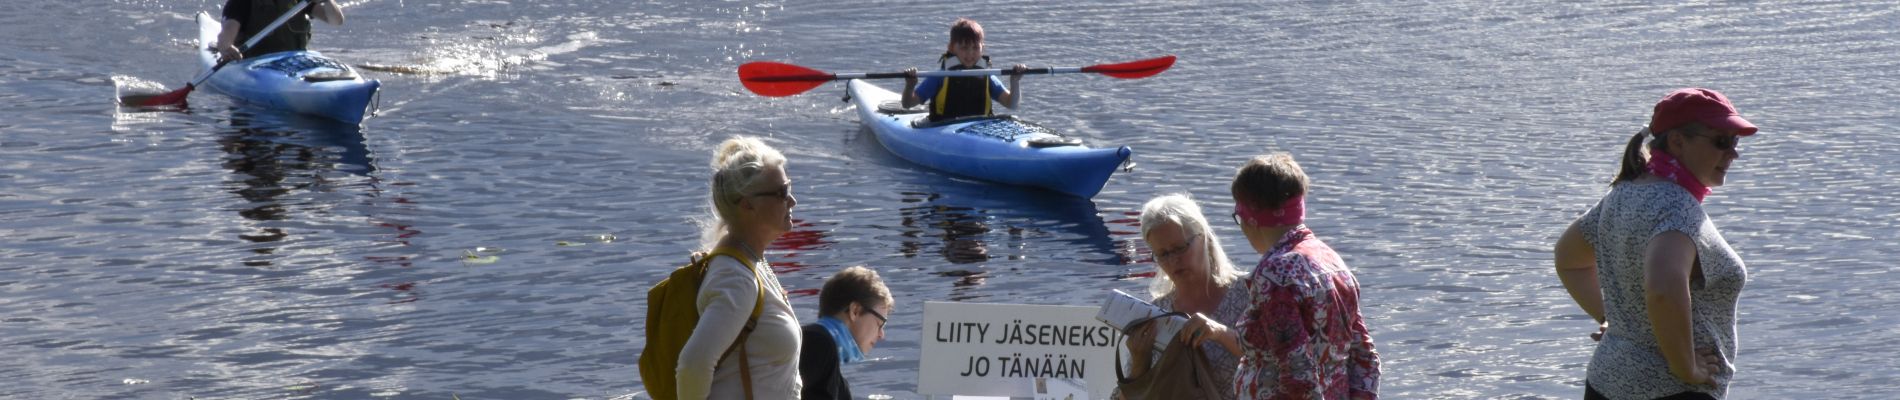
304 82
1002 149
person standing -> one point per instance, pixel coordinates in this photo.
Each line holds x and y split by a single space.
752 206
1303 337
1648 264
1195 278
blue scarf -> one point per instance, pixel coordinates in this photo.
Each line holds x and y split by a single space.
848 350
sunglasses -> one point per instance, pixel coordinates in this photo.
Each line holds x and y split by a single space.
1721 141
782 192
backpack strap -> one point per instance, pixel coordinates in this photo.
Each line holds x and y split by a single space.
745 369
758 307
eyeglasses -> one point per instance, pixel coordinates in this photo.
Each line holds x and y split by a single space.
1237 221
880 317
1176 252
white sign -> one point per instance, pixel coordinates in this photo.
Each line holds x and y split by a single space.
1016 350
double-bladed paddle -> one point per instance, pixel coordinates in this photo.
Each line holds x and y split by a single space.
776 79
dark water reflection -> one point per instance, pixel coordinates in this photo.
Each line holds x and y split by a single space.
964 221
271 154
961 233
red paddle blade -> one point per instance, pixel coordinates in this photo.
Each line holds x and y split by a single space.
1133 69
776 79
167 99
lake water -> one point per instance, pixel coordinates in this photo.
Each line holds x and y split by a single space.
229 252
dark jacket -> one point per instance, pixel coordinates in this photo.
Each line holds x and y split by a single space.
818 365
253 15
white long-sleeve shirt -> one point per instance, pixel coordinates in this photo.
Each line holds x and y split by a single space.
726 298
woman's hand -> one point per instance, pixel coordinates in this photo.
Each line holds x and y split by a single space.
1602 327
1141 344
1200 329
1141 341
1708 363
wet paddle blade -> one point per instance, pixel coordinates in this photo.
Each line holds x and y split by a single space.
175 98
776 79
1133 69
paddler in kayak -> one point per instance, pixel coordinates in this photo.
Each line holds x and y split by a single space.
962 96
243 18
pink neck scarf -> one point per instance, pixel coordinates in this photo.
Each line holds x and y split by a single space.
1292 212
1665 165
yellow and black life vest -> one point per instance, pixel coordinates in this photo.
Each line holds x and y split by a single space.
961 96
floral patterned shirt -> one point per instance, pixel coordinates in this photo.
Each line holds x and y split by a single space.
1303 337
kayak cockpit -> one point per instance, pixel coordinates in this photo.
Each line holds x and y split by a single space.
896 107
926 123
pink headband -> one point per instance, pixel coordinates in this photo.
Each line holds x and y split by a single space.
1292 212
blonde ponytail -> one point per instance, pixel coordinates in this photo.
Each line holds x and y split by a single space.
736 163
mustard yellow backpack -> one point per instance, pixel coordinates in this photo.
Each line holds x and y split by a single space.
673 312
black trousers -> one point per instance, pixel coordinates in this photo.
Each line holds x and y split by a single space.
1590 393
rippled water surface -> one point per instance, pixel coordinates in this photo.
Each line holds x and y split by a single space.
492 234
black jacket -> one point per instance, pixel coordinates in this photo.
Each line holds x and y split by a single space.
818 366
253 15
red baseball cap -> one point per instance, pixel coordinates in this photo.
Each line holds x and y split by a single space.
1698 105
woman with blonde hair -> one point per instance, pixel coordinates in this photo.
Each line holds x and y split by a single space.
1196 278
752 202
